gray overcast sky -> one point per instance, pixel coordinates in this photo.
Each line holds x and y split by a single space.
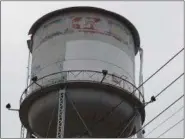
160 25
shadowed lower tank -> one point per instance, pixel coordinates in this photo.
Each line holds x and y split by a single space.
88 54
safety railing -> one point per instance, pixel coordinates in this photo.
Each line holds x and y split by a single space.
83 76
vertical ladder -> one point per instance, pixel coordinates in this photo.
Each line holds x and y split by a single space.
61 113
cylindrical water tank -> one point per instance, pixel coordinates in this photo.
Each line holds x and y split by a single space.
92 51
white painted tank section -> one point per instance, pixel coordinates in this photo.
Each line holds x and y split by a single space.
80 41
97 55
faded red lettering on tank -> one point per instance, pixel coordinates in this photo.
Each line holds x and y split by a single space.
77 22
90 22
84 23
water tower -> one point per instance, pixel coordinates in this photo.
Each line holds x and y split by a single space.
82 80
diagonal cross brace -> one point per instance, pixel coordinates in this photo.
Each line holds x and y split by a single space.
129 122
80 117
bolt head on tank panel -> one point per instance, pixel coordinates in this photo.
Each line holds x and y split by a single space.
90 52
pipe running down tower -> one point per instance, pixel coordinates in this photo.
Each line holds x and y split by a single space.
82 66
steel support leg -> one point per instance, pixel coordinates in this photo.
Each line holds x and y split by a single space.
61 113
28 134
138 125
22 131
